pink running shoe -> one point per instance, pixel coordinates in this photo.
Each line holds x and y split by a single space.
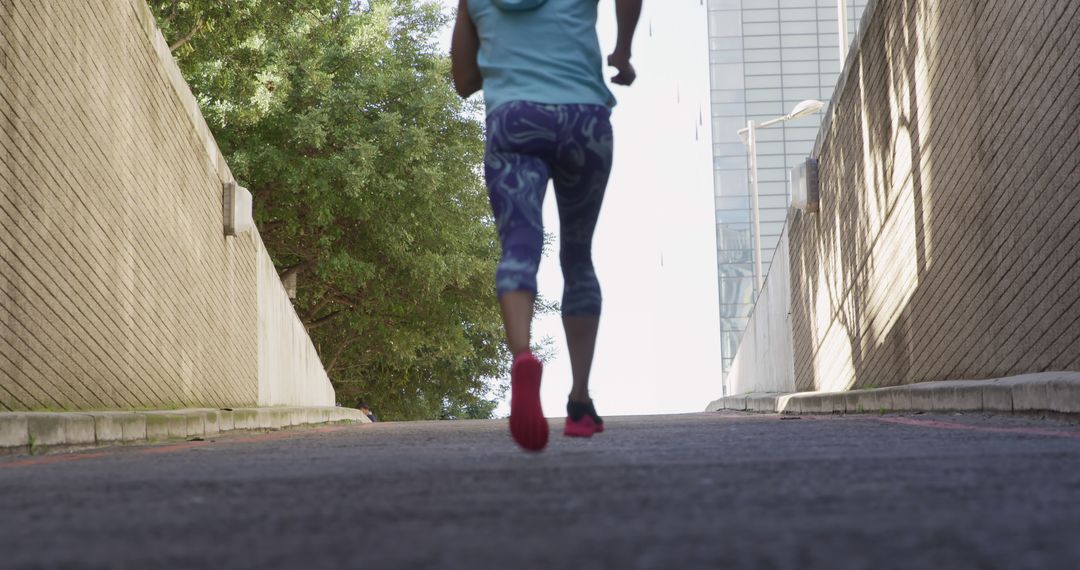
579 420
528 425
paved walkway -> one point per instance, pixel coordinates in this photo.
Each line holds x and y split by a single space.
715 490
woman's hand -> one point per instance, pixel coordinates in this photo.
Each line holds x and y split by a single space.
621 62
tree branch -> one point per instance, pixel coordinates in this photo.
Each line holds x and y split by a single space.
297 269
184 40
323 319
341 350
318 308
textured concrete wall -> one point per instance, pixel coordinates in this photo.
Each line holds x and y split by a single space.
947 242
764 361
118 288
290 371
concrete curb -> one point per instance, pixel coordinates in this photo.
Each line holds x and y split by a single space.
1057 392
29 431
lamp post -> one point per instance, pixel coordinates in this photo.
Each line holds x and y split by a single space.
842 21
749 137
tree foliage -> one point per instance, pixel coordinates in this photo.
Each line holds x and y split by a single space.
365 168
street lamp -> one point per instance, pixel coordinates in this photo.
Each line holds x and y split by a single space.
749 138
842 21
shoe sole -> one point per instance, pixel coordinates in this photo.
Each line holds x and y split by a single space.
583 428
528 426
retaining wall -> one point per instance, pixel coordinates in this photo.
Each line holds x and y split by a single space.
118 287
286 353
765 361
947 245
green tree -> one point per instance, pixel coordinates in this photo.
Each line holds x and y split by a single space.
365 167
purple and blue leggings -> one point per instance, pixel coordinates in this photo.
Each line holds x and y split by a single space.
527 145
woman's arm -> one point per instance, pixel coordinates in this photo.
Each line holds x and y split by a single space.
627 13
463 49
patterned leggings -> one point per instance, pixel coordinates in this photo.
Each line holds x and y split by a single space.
527 145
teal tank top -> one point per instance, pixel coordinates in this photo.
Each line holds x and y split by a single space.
543 52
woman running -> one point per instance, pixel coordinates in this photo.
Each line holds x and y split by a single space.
548 108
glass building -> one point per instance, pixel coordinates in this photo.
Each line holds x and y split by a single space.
765 56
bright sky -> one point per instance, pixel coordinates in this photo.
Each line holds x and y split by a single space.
658 349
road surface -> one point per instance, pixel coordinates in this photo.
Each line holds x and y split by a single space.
710 490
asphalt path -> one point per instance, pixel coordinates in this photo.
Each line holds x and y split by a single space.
690 491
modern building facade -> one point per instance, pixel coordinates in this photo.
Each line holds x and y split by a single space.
766 56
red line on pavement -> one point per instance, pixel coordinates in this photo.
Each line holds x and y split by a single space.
174 447
934 424
162 449
52 459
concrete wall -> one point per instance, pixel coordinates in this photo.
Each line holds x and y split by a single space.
948 241
290 371
765 361
118 288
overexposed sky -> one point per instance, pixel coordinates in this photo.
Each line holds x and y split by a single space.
658 349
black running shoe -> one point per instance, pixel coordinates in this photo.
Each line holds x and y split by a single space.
582 419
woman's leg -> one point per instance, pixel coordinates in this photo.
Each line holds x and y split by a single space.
582 166
517 314
517 175
581 343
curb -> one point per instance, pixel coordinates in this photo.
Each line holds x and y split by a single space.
1056 392
22 432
